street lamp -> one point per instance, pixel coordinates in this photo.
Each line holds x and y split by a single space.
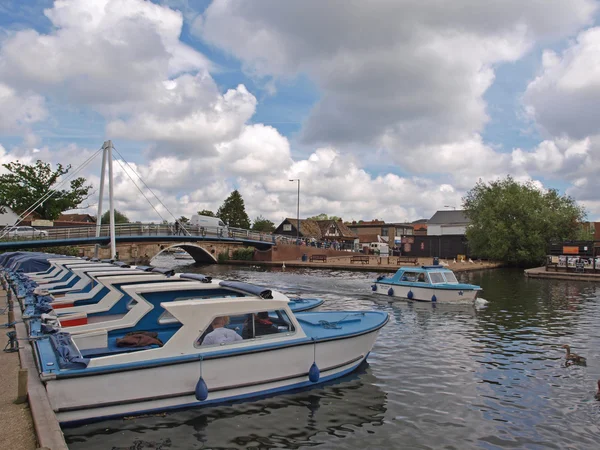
298 209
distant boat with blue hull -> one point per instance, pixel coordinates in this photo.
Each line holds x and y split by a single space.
436 284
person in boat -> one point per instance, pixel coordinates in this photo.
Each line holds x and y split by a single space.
262 325
221 334
421 278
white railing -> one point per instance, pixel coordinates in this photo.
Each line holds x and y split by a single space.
162 230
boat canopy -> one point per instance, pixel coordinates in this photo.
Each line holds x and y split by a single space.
248 288
196 276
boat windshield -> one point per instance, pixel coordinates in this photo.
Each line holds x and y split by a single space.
436 277
450 278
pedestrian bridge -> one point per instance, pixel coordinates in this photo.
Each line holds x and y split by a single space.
141 242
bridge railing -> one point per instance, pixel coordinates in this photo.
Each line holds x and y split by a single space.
151 229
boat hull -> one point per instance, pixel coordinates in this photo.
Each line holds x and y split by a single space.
228 378
426 294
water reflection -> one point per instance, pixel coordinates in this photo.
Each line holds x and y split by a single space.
286 421
440 376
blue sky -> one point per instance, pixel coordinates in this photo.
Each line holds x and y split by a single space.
366 103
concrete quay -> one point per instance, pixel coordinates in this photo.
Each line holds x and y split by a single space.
375 264
540 272
31 424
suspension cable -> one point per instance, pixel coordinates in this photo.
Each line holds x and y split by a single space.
138 188
155 196
51 192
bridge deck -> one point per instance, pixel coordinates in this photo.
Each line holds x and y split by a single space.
105 240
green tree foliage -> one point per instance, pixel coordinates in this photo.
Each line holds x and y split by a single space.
25 184
183 220
233 211
324 216
119 217
262 224
514 222
206 212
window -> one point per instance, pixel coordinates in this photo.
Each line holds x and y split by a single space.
409 231
260 324
167 317
409 276
221 224
287 227
450 278
384 231
436 277
131 303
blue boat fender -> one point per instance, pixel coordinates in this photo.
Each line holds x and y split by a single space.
373 287
201 390
391 292
410 295
314 373
434 298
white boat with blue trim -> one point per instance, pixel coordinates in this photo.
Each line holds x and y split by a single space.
88 376
426 284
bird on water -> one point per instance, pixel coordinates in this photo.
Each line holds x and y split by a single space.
573 358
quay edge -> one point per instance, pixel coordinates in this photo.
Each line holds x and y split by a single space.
540 272
45 422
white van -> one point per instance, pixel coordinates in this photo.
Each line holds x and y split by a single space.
210 225
384 249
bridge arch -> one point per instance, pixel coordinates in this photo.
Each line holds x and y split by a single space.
200 254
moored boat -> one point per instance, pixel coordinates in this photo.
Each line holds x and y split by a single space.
297 350
426 284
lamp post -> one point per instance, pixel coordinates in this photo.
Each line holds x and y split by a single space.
298 210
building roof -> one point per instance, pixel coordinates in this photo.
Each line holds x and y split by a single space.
379 224
449 217
419 221
318 228
368 238
76 218
344 230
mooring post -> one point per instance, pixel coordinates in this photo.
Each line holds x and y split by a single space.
22 386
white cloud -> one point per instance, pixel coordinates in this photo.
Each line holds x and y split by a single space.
18 112
563 99
124 59
394 74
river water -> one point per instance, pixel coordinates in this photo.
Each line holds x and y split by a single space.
452 377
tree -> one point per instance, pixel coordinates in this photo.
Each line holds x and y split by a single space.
514 222
233 211
183 220
26 184
206 212
324 216
262 224
119 217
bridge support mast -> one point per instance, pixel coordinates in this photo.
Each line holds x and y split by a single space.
106 160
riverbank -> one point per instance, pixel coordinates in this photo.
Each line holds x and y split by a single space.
540 272
16 424
32 422
375 264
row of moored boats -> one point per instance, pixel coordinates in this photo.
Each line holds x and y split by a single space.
112 339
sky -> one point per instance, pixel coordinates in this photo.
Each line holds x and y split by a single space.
387 109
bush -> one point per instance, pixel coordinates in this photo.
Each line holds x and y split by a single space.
243 254
223 257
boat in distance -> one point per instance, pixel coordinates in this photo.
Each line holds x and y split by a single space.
426 284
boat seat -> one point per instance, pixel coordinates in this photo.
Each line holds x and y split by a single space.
112 347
